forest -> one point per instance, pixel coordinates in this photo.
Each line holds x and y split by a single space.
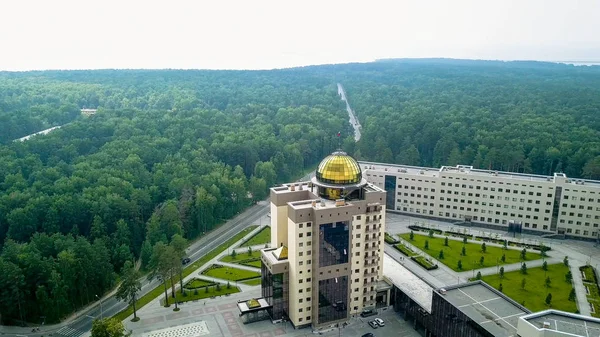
529 117
174 153
169 152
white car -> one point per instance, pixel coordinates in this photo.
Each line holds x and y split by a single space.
379 321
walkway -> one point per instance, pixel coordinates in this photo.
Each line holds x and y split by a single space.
198 274
580 253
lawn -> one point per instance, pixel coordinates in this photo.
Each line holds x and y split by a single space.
452 253
535 292
243 258
197 283
154 293
590 283
201 293
261 238
252 282
228 273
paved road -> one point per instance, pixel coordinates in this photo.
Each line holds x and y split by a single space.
111 306
353 120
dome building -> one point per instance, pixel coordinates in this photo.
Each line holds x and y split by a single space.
332 231
337 176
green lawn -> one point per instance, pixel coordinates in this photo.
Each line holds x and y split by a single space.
212 291
252 260
154 293
197 283
261 238
252 282
256 263
241 256
594 295
534 295
228 273
452 253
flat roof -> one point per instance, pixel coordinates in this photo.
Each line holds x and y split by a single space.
573 324
260 303
468 171
486 306
413 286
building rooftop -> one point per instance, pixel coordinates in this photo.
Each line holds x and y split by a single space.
468 171
414 287
490 309
567 323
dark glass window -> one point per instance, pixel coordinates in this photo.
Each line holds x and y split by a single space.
333 299
275 291
333 243
390 187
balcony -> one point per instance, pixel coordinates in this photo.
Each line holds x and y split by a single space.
370 274
372 248
369 239
371 264
372 230
369 303
374 209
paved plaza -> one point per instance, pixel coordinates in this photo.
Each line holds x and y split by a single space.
580 253
219 317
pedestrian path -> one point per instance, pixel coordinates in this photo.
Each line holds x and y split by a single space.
580 253
156 303
69 332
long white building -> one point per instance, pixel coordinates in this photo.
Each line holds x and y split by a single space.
541 204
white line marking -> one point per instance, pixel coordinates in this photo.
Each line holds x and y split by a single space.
466 305
493 313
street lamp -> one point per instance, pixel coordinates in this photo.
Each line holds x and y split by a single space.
101 311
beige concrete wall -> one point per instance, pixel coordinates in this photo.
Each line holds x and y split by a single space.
279 228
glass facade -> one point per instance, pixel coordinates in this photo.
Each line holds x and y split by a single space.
390 188
274 289
334 239
339 168
333 299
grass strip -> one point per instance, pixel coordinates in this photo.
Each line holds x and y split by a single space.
159 290
202 293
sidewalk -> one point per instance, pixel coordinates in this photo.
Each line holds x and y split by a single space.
580 253
154 304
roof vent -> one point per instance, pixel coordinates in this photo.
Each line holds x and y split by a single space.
314 203
546 325
421 172
292 187
443 291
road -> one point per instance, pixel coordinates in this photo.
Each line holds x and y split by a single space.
353 120
111 306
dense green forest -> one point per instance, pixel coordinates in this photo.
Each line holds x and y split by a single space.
514 116
174 153
169 152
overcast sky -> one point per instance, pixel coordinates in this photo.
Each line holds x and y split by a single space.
263 34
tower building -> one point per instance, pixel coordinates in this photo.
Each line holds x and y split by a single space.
327 241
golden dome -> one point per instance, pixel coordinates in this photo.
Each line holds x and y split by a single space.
340 169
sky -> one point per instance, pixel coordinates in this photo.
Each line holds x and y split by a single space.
266 34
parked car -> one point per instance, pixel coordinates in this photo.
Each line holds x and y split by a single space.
185 260
379 321
367 313
373 324
368 334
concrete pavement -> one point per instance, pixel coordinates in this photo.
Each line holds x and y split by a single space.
580 253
